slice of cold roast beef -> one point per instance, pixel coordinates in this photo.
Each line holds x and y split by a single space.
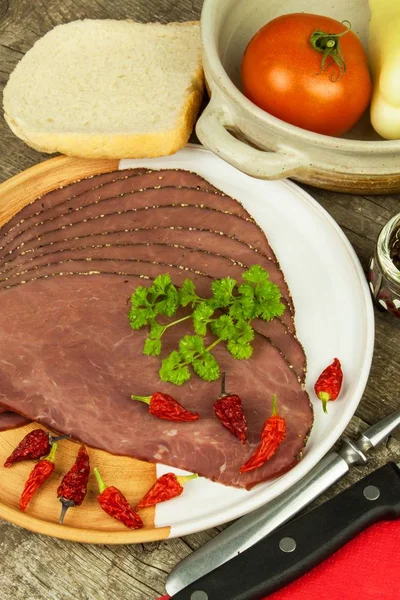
54 208
125 258
11 420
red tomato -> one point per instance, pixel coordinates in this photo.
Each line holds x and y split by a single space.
281 73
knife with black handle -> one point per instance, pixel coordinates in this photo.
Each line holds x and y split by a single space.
298 546
255 526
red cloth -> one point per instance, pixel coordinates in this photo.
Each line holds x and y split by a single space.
367 568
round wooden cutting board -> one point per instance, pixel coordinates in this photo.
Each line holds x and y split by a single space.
87 523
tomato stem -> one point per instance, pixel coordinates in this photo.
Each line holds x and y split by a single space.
329 45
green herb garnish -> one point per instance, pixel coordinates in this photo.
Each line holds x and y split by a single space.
228 314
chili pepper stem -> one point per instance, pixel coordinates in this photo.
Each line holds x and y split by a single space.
274 411
50 457
102 485
223 390
183 478
66 504
324 397
58 438
145 399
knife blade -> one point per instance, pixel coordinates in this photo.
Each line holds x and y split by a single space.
251 528
301 544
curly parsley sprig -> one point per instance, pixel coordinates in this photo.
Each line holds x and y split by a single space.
227 314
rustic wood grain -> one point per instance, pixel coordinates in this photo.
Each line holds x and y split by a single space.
34 567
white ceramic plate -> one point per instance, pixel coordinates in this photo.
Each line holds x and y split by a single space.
334 318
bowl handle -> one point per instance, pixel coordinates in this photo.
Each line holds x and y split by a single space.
212 133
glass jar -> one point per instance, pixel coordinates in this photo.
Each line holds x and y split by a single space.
384 277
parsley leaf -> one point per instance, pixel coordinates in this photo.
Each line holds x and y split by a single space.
139 298
152 344
246 301
156 330
141 310
270 303
152 347
238 350
201 317
236 305
206 367
239 344
191 346
161 283
173 370
222 290
163 295
255 275
187 293
223 327
240 310
139 317
168 302
244 332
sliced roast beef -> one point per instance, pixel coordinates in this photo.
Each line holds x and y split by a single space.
136 201
279 331
287 342
41 205
136 266
152 250
210 241
64 212
176 216
167 216
11 420
71 362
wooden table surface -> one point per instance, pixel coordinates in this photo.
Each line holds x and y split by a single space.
33 567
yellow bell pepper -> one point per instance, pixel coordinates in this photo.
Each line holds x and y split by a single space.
384 52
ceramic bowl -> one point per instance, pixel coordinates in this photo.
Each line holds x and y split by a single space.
266 147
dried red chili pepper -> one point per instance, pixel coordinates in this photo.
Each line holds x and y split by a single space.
73 487
272 435
329 383
34 445
40 473
166 407
114 503
228 408
166 487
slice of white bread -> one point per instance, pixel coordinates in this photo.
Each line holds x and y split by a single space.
108 89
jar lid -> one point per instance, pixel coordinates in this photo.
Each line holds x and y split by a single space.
383 249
